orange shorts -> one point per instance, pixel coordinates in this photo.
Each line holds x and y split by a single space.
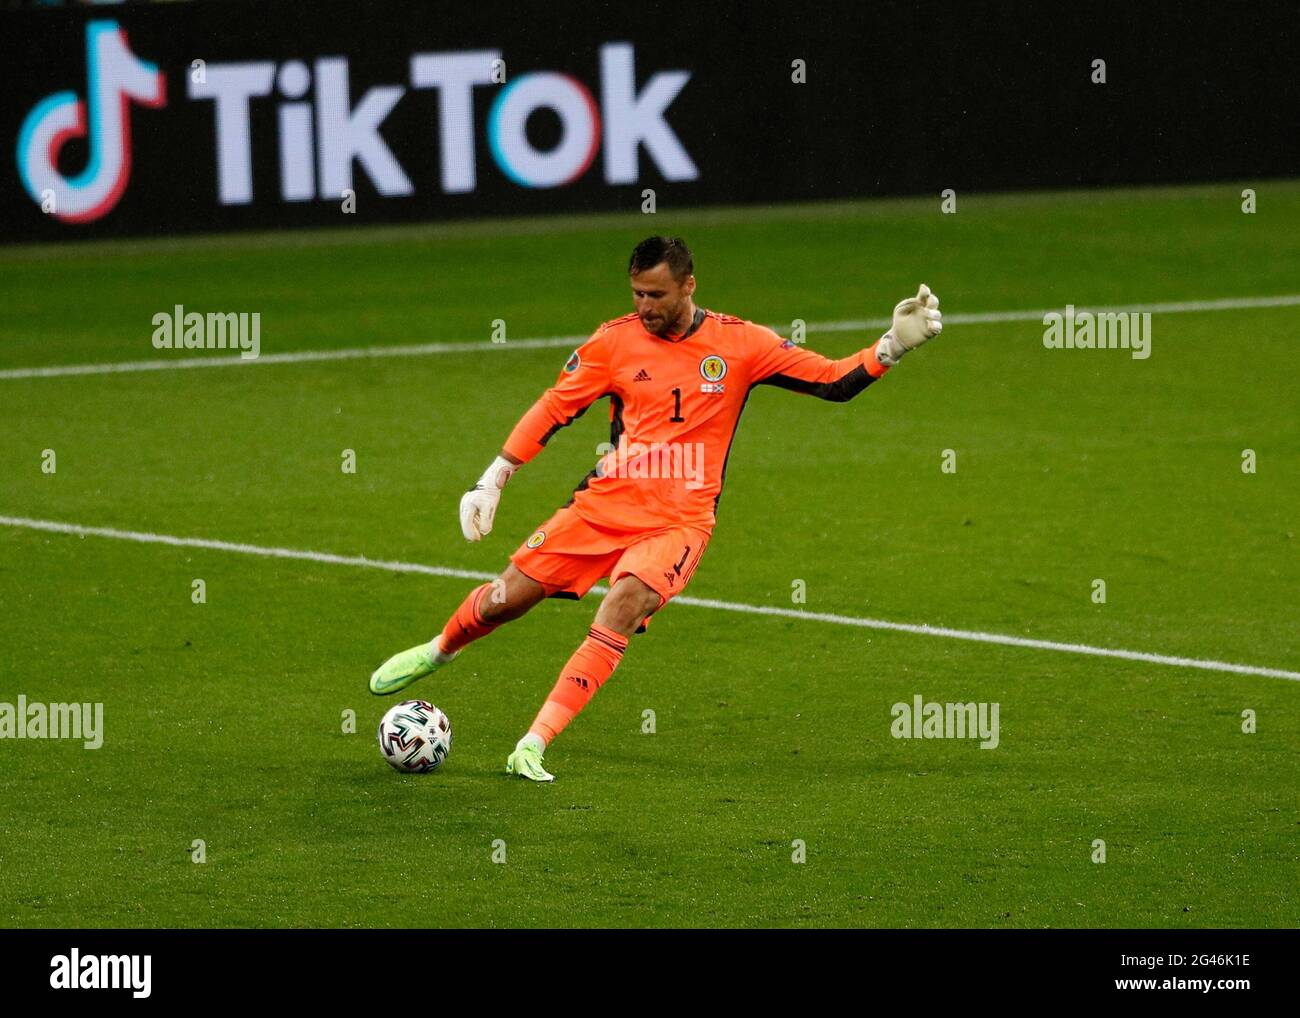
568 555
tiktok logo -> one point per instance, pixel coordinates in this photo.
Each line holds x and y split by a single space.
114 77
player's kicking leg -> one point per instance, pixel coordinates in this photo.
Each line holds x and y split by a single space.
506 598
624 608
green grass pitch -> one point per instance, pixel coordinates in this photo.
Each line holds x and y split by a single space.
223 720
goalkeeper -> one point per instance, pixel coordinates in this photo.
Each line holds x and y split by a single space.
677 377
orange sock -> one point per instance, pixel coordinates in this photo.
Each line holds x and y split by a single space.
467 624
584 673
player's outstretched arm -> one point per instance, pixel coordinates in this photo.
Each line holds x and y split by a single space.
789 366
917 320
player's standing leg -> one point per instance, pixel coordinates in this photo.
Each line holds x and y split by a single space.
506 598
623 609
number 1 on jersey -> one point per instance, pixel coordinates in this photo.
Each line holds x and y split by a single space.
677 417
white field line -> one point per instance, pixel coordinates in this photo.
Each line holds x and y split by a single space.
544 342
52 526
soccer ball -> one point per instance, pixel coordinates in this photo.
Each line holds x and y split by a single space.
415 736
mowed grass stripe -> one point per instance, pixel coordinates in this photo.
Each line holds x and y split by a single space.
545 342
360 561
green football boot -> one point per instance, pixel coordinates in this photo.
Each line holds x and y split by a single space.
526 761
400 670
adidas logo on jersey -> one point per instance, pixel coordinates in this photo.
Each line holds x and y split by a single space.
641 376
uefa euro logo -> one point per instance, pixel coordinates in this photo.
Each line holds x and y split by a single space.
114 77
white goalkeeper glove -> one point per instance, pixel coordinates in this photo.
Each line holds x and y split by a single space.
916 321
478 506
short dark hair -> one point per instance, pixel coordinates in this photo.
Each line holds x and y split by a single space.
653 250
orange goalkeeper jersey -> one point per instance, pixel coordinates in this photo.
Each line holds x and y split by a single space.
674 406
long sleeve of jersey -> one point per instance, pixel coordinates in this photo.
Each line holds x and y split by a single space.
584 379
783 363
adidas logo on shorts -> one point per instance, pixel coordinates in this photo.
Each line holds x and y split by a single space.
641 376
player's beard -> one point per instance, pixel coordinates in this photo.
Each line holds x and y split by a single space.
664 327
